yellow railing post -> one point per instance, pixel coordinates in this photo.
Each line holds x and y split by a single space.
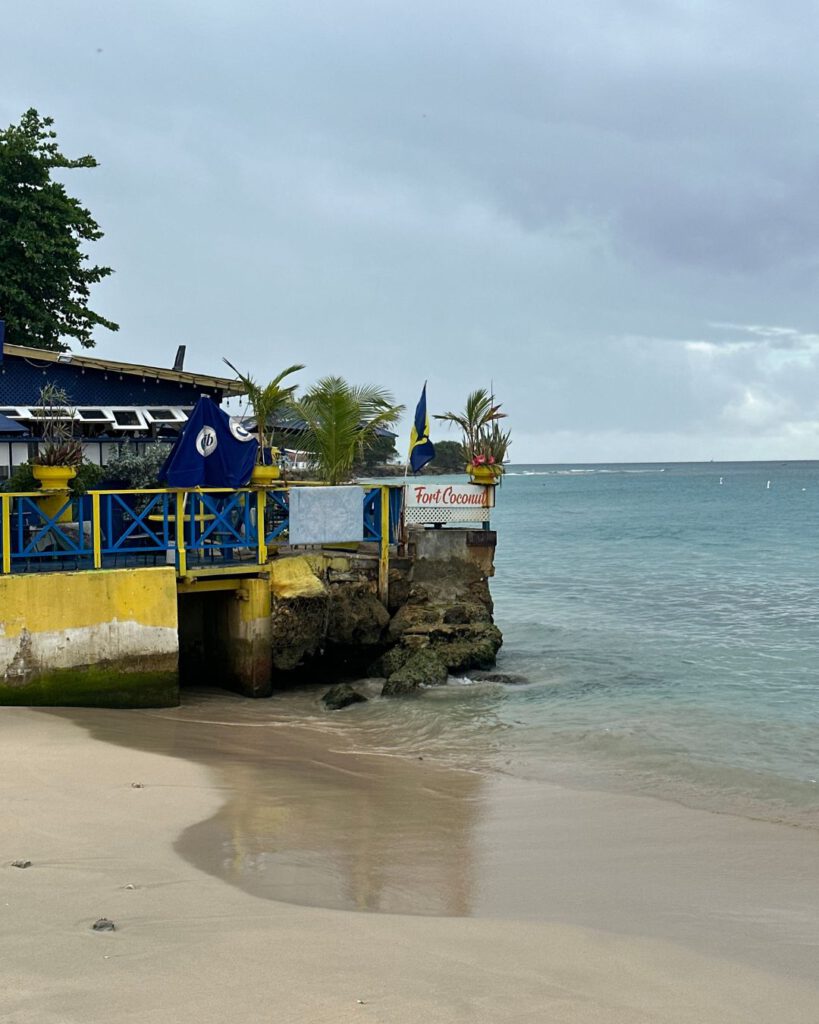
261 550
384 551
6 500
179 527
96 529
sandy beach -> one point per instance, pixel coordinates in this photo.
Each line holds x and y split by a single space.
637 911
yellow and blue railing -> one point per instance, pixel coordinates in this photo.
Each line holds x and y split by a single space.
186 528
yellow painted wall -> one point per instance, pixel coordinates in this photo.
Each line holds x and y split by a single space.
295 577
53 602
302 575
101 638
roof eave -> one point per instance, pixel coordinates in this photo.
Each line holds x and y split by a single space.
224 384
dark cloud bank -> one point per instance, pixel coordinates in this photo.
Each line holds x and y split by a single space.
607 209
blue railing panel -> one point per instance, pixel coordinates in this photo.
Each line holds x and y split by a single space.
140 527
220 524
39 538
132 524
276 515
372 513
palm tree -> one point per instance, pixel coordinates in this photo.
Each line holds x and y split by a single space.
480 414
341 421
266 400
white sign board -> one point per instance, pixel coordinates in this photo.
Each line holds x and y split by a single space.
447 503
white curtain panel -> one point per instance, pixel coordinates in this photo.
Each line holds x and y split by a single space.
326 515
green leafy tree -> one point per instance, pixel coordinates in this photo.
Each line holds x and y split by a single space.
379 453
45 277
342 422
449 457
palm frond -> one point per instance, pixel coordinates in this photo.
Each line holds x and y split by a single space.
341 421
478 422
266 400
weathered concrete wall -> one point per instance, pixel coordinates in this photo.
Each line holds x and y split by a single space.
89 638
476 548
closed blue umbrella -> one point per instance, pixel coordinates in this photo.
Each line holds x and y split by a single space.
213 450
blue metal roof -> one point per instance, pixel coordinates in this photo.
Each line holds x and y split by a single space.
21 379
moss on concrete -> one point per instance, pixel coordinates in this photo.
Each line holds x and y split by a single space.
95 686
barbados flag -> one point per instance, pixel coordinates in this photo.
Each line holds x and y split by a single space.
422 450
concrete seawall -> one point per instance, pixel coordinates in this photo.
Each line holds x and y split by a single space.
89 638
127 637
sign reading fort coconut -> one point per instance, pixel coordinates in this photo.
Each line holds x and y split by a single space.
447 503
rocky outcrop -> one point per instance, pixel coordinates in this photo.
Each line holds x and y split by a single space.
324 612
438 620
299 628
355 616
342 696
423 668
447 614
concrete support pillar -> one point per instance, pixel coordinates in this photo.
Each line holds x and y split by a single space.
247 639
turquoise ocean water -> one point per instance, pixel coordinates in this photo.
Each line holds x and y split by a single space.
662 626
661 636
667 619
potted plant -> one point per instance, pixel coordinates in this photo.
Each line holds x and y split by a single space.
60 453
484 443
265 401
341 422
486 464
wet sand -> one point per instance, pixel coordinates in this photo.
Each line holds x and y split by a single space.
519 901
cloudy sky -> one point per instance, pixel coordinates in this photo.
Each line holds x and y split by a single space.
609 208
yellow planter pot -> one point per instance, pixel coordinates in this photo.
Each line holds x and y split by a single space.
265 474
483 474
54 478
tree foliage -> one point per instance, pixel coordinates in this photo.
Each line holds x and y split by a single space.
342 422
380 453
137 466
45 277
449 457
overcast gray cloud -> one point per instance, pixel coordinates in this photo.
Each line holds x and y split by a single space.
608 209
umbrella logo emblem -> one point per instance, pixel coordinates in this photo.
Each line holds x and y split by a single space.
206 441
239 430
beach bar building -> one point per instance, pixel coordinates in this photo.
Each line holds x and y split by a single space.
111 402
115 596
